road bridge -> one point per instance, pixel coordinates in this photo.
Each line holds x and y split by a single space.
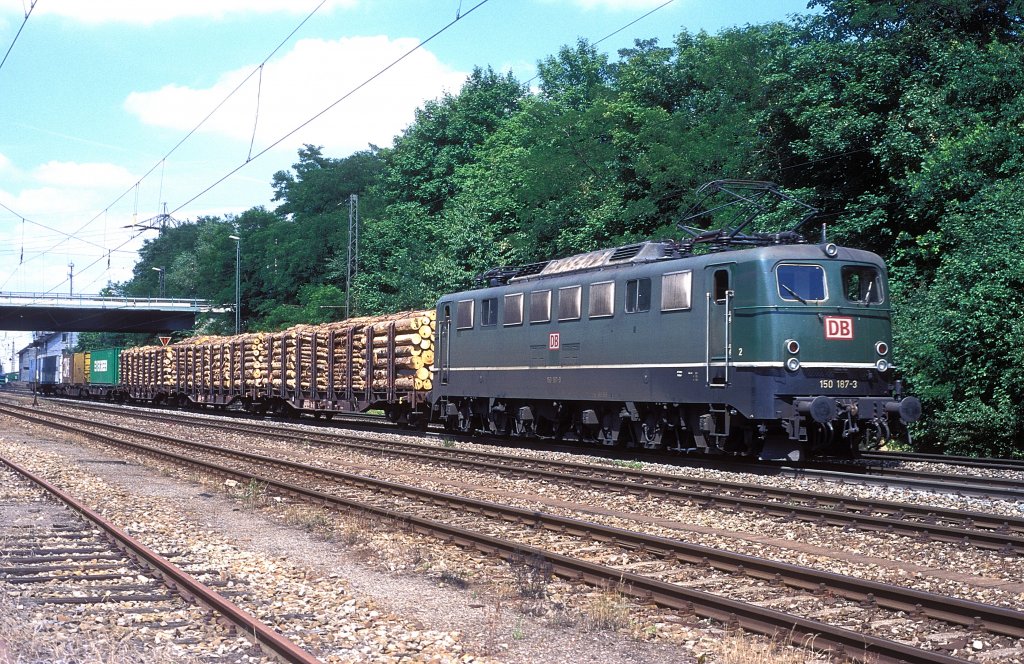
96 313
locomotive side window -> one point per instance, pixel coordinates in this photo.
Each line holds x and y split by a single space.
464 315
540 306
602 299
638 295
514 309
861 284
488 312
675 290
721 285
569 303
804 283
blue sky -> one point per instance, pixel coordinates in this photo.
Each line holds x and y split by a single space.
95 93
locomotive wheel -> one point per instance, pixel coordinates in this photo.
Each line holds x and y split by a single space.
457 423
521 427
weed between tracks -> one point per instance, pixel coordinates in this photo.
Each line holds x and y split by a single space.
254 495
607 610
741 648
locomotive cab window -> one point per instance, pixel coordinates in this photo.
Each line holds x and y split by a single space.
801 283
675 290
602 299
488 312
861 283
540 306
464 315
514 309
638 295
569 303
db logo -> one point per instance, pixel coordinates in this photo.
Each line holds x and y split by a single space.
838 327
553 341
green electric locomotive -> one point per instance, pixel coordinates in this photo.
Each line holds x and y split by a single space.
763 345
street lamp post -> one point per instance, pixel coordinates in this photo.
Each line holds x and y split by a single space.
161 271
238 283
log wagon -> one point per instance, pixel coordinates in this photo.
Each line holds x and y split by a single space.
361 364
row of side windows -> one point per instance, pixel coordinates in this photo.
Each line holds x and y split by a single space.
676 288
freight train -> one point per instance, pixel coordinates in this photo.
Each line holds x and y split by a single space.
91 374
728 342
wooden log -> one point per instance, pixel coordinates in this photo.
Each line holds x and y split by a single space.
400 351
411 362
411 339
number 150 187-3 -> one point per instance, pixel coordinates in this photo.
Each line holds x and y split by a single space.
841 384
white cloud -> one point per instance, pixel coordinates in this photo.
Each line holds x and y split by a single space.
150 12
5 163
83 176
312 76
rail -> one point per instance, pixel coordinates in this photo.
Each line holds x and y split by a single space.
184 584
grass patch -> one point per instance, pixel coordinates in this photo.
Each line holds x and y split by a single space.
739 647
607 610
254 495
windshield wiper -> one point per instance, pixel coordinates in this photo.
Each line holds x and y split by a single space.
793 293
867 294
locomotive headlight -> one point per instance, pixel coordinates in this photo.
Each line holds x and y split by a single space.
831 250
792 346
882 365
793 363
881 348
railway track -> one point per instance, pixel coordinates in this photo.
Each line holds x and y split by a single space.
873 472
67 555
874 608
971 462
971 528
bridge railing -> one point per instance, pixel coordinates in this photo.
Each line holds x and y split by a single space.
87 301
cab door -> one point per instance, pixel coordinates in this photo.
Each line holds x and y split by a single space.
719 296
443 357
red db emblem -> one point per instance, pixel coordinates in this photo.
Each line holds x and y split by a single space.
838 327
553 341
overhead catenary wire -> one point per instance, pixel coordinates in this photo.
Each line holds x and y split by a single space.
345 96
256 119
77 232
162 163
14 41
285 136
615 32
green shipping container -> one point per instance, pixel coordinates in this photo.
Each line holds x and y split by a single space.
104 366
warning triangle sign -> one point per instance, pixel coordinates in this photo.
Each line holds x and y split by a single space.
164 340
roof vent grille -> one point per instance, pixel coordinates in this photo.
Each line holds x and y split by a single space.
625 253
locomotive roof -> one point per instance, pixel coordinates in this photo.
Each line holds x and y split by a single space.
657 251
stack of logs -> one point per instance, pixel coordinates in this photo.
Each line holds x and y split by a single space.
151 366
304 353
297 358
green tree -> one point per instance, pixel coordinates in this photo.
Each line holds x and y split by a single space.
961 336
420 168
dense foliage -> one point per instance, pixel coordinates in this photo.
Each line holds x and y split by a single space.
902 121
